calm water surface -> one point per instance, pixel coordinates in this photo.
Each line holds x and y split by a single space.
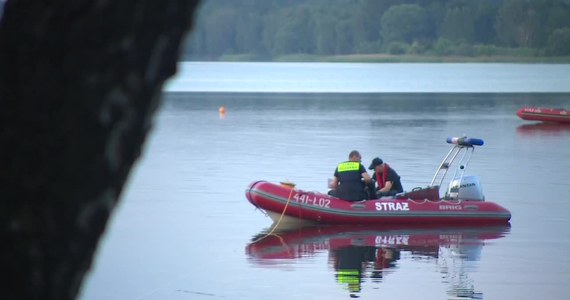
184 229
371 78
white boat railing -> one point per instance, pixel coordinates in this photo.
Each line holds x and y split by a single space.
463 148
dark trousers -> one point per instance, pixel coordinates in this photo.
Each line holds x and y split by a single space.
375 194
353 197
371 191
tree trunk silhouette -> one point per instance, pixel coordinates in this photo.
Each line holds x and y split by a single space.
79 83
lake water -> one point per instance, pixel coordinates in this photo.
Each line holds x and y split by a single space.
370 78
184 229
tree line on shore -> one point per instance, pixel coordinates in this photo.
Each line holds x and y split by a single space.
268 29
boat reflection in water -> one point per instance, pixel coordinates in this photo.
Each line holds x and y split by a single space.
544 128
359 254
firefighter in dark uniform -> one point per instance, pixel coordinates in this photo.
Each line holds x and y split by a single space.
350 179
387 180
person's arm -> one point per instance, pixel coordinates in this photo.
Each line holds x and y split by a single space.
364 174
334 183
389 181
387 187
366 177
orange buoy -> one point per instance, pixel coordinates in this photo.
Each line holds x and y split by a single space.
222 110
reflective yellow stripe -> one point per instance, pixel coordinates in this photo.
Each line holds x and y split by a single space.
349 166
349 272
350 276
349 280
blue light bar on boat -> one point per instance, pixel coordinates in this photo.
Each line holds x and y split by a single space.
465 141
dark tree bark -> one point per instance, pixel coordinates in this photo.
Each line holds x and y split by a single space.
79 83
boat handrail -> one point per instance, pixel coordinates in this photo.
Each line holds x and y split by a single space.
460 144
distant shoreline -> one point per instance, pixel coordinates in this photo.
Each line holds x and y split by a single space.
389 58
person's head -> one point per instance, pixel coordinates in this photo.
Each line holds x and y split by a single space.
354 156
376 165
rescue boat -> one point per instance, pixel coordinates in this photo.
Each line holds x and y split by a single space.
462 203
556 115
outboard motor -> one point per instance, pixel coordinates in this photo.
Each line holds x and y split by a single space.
469 189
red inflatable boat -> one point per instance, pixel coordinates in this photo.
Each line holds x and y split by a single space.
544 114
463 202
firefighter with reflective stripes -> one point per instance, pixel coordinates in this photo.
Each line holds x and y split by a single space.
350 179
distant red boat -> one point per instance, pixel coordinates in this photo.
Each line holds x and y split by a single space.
556 115
463 202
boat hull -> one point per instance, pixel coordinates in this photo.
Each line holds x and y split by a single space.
544 114
320 208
